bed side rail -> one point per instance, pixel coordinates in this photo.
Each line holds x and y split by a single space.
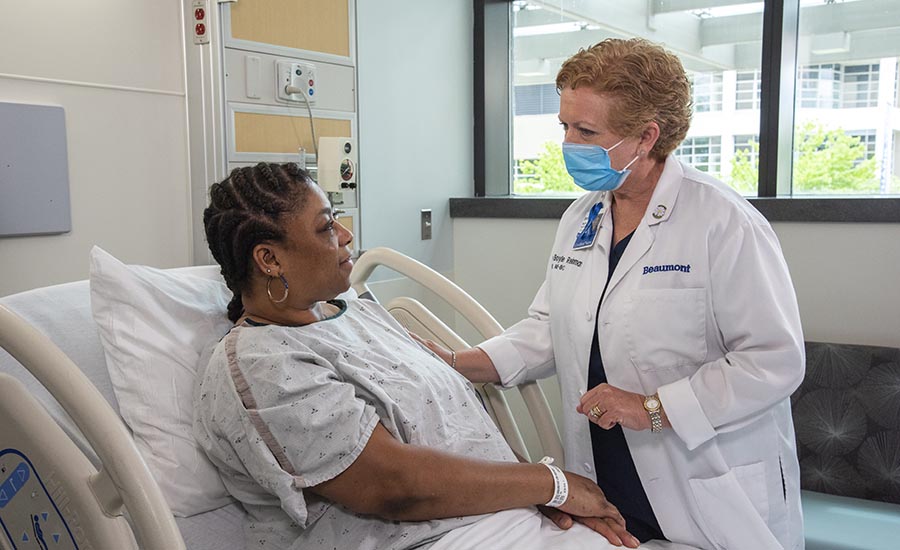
123 471
487 327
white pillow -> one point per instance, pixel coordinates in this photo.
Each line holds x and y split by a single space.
154 325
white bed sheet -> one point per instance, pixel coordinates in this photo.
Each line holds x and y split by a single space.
528 529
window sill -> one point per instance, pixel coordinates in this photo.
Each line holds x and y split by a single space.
831 210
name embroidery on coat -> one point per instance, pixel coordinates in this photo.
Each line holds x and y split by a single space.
666 267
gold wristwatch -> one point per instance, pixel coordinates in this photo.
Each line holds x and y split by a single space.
653 408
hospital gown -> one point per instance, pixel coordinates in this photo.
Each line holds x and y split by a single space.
280 409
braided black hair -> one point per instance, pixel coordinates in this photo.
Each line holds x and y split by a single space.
246 209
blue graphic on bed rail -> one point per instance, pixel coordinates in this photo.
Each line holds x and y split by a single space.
29 516
13 483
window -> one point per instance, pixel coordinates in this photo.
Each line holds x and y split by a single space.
743 166
536 99
747 90
820 86
706 89
826 101
846 115
545 33
747 145
860 86
896 94
866 140
703 153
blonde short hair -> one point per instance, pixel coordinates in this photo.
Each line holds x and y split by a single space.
646 82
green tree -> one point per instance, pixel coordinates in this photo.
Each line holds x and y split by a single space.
826 161
546 174
745 169
831 161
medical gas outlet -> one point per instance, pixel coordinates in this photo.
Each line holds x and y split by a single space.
337 164
295 82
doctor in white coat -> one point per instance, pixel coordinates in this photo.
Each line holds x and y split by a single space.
668 315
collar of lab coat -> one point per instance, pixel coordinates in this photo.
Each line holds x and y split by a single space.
663 200
660 208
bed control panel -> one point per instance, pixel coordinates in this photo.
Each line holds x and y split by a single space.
28 514
47 501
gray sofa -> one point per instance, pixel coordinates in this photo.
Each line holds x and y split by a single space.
847 421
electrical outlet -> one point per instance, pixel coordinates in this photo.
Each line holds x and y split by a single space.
426 224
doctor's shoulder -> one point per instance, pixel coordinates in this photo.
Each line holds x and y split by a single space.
715 201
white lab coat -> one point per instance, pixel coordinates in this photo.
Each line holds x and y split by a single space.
700 309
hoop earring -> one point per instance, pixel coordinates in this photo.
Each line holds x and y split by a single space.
269 289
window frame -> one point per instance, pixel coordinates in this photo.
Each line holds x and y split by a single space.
493 139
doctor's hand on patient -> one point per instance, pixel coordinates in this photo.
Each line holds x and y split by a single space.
617 406
473 363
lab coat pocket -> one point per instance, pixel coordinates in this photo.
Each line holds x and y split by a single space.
734 508
666 327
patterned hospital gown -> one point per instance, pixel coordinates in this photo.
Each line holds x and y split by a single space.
280 409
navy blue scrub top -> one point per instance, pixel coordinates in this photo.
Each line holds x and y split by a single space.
616 473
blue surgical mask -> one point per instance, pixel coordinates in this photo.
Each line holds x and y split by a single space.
590 168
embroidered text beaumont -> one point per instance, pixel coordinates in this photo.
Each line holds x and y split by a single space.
669 267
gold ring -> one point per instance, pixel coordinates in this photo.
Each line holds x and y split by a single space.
596 412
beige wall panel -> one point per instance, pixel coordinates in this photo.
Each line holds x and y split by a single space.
314 25
347 221
260 133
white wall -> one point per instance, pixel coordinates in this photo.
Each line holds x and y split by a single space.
847 278
415 60
501 263
117 67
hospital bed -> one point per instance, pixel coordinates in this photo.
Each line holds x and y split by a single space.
71 475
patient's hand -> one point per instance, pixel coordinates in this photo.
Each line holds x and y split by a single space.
614 532
588 505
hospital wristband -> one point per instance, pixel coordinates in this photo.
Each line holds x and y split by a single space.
560 484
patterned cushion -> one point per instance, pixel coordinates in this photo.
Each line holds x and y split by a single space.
847 419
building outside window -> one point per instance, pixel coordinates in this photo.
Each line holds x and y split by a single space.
536 99
867 139
819 86
706 89
747 89
860 86
703 153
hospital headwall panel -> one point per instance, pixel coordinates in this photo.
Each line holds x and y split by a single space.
251 76
314 25
270 42
266 133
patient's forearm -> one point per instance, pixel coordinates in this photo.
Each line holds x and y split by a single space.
396 481
441 485
476 365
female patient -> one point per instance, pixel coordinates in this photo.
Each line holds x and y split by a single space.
335 429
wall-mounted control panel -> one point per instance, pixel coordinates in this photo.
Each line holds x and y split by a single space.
295 81
337 164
